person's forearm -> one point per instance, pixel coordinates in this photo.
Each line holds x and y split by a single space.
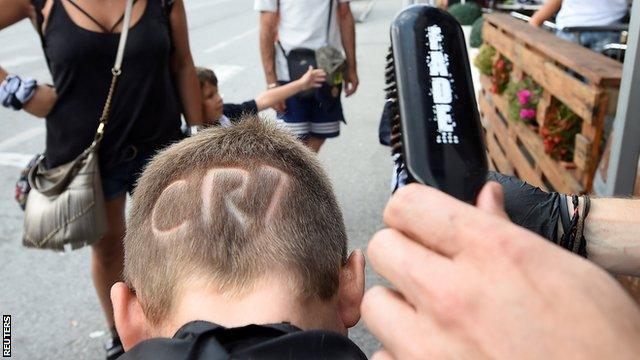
278 94
268 33
190 96
547 10
42 101
348 35
613 239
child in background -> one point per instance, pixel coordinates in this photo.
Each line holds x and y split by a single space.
216 112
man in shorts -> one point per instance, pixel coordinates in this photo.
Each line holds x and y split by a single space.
291 24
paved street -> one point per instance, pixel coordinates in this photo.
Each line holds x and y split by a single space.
55 310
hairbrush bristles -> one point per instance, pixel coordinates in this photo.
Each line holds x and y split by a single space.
392 97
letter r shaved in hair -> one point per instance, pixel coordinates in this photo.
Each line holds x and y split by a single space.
236 188
229 206
229 183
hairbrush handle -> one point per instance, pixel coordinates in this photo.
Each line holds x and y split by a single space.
436 127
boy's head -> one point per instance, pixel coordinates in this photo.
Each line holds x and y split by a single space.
211 99
246 216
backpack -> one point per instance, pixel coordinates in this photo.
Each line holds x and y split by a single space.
205 340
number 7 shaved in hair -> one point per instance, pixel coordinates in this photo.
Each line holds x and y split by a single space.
436 133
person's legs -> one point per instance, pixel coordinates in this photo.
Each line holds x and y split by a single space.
107 256
567 36
326 115
314 143
297 117
596 40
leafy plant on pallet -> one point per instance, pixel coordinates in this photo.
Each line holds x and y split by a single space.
559 132
523 97
484 60
500 74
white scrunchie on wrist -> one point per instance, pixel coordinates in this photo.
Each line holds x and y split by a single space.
15 92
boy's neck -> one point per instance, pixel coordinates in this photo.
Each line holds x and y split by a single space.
269 302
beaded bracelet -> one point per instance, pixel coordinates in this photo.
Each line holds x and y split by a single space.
573 238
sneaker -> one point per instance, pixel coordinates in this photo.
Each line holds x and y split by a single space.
114 348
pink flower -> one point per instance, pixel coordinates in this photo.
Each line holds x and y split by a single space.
527 114
524 96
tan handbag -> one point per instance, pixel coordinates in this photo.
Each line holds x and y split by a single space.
66 204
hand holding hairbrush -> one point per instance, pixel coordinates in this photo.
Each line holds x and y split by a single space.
436 136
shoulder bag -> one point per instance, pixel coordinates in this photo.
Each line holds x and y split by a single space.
66 204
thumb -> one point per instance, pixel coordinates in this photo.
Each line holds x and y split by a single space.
491 199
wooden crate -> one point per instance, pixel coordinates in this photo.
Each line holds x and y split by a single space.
583 80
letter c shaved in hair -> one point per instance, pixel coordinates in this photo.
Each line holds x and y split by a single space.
164 222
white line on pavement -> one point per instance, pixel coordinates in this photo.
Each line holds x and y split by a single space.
7 49
226 72
20 60
15 159
20 138
222 45
205 4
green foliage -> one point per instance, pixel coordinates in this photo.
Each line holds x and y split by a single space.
515 107
475 40
467 13
560 132
484 59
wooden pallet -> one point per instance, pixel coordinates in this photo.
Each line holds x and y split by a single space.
585 81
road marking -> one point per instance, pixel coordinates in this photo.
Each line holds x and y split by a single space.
224 44
12 48
20 60
15 159
226 72
20 138
206 4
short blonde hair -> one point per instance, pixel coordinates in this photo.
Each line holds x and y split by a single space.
230 205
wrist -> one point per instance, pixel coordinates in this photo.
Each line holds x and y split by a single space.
272 85
15 92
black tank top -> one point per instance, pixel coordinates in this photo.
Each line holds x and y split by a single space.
145 110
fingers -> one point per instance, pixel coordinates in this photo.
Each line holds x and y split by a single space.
491 199
414 270
388 316
430 217
350 88
441 222
382 355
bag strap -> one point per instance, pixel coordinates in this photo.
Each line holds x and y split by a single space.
329 21
115 71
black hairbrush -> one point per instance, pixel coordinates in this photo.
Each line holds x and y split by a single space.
436 134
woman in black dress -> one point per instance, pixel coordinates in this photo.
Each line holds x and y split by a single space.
158 84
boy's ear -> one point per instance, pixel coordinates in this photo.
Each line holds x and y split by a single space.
351 289
131 322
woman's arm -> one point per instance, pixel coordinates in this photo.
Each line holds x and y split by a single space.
45 96
312 79
184 71
547 10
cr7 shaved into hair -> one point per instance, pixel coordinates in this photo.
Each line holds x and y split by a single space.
227 207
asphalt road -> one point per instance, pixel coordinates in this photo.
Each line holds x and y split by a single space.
50 296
